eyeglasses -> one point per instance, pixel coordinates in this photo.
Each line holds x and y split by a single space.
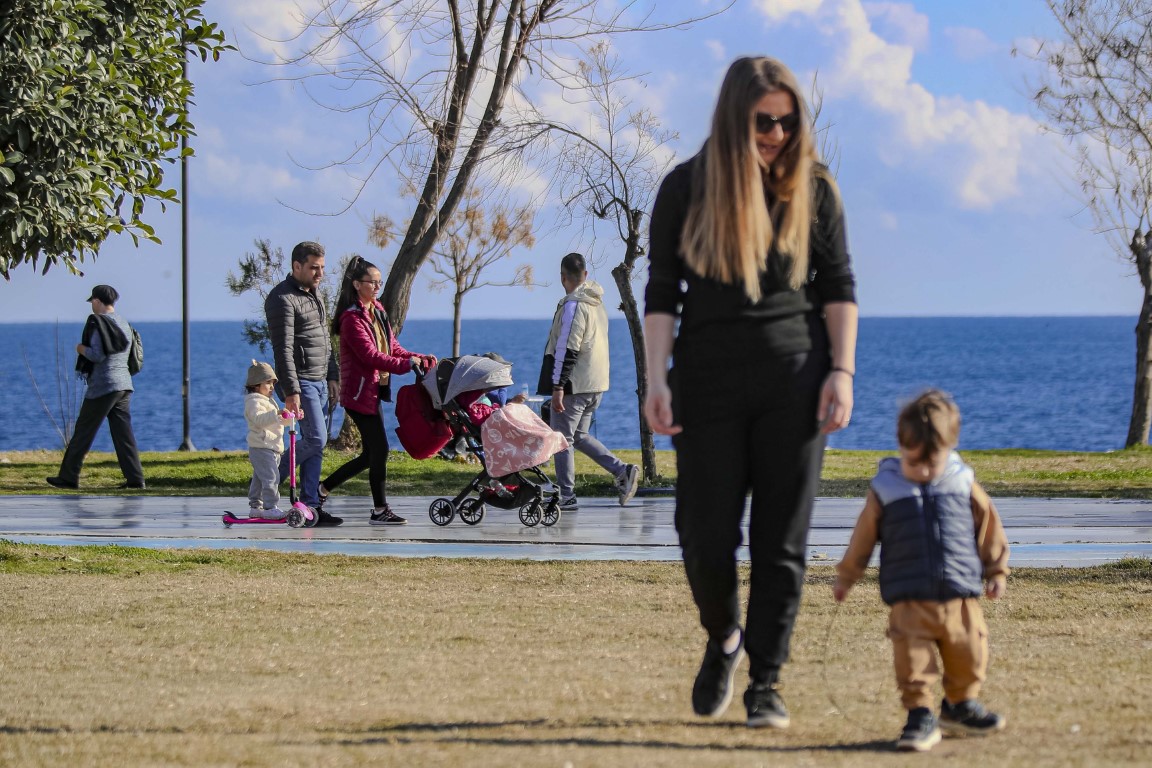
788 123
376 283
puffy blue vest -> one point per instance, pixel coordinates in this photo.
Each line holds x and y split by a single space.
927 537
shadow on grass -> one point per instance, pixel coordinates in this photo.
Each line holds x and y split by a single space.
545 733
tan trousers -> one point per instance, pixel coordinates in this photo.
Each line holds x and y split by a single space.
956 628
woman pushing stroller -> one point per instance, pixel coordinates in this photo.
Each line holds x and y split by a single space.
369 355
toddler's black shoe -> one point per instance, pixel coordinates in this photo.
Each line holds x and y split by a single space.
969 717
920 733
712 691
765 706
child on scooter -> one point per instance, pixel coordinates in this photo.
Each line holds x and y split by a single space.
266 422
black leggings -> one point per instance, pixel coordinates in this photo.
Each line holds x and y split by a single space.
373 456
748 428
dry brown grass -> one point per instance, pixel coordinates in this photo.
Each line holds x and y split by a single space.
126 657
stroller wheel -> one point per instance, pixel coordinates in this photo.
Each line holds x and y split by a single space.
471 511
441 511
551 513
530 514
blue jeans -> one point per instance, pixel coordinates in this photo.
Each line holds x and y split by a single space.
310 441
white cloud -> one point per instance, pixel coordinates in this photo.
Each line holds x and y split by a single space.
979 150
968 43
901 21
717 49
776 10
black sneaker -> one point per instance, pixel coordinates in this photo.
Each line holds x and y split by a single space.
387 517
920 734
327 519
765 706
132 486
569 504
60 482
969 717
712 691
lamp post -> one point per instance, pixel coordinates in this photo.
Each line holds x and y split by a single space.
186 389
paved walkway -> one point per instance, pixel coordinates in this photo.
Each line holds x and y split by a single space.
1043 532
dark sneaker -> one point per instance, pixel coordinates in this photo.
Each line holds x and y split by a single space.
387 517
569 504
969 717
60 482
920 734
765 706
327 519
627 482
133 486
712 691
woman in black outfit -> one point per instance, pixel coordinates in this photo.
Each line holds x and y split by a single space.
748 249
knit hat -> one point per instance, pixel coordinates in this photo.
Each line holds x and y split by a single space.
258 373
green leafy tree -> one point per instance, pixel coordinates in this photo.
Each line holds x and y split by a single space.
93 101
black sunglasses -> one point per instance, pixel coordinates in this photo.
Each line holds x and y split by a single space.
788 123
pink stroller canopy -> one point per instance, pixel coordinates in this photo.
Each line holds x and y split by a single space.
515 439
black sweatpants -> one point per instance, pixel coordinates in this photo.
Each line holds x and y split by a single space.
117 408
373 457
749 426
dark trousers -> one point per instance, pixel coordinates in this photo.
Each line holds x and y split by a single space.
749 426
116 407
373 457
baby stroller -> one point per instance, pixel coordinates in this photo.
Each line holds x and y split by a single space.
510 444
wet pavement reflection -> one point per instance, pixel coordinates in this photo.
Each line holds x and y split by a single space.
1042 532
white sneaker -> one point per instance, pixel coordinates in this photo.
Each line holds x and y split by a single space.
255 513
274 514
627 482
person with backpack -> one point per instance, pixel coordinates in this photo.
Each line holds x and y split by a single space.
102 362
369 355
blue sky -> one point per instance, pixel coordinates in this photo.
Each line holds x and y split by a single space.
957 203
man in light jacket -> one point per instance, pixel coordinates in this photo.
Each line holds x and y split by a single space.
575 374
305 367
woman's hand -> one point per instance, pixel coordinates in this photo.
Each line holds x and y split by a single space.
835 401
658 408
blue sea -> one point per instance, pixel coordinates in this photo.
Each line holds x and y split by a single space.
1060 383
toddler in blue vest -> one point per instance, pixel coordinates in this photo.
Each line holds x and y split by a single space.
941 545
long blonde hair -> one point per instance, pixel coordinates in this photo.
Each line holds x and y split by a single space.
729 230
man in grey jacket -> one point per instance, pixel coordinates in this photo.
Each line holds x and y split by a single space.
103 363
575 374
305 367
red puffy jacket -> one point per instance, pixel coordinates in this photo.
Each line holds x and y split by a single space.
361 360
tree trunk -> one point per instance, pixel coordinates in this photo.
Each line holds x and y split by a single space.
622 274
348 439
457 300
436 207
1142 394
